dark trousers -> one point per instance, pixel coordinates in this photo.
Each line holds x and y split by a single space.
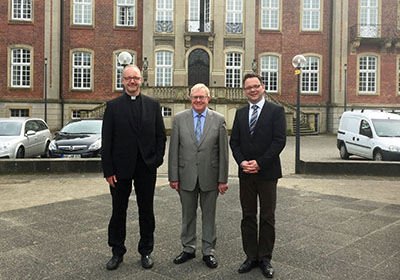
144 179
258 244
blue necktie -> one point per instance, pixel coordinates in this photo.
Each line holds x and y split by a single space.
198 128
253 119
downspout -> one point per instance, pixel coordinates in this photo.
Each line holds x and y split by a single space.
61 60
329 102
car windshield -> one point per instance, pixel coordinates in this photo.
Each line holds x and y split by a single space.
387 127
83 127
10 128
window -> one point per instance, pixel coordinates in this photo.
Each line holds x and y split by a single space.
118 71
163 68
269 72
82 12
311 14
166 112
78 114
21 68
19 112
234 16
365 129
369 18
310 75
199 16
126 12
233 69
367 75
270 14
21 10
81 70
164 15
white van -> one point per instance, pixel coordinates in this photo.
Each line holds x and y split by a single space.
369 133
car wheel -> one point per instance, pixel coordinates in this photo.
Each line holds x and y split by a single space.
343 151
378 156
20 153
46 151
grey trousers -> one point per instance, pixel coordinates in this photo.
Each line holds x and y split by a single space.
208 202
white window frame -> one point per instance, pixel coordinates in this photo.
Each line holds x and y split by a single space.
19 112
270 14
311 19
21 67
164 68
78 80
398 75
21 10
119 69
368 74
310 75
233 69
83 12
369 13
164 16
269 72
234 17
166 112
126 13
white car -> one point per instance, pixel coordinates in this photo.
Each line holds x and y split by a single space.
370 134
24 137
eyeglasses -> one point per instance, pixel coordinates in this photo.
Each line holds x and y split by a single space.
132 78
251 87
199 97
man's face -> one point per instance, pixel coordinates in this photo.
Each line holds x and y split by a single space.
254 90
199 100
132 79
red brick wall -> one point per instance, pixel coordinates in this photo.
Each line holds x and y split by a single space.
387 93
103 39
24 33
290 42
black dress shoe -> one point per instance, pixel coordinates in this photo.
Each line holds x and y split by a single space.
114 262
210 261
247 266
184 257
147 261
267 268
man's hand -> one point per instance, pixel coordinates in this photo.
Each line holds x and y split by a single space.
174 185
222 188
111 180
250 167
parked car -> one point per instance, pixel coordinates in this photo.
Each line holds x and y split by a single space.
24 137
77 139
369 134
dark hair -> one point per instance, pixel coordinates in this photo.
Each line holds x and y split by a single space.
251 75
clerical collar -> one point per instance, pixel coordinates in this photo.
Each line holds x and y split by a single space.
133 97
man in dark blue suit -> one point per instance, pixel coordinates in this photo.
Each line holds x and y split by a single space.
133 146
258 137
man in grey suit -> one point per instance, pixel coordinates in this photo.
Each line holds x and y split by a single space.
198 166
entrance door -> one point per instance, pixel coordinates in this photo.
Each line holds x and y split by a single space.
199 68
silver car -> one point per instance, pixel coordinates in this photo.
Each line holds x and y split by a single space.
24 137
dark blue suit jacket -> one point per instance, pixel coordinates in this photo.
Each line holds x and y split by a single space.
266 143
122 139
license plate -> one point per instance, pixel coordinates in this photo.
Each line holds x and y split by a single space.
71 156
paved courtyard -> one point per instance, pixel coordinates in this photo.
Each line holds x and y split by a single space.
55 227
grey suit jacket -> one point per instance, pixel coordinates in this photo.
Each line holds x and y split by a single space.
208 162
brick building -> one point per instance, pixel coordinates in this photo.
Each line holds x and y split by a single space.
351 47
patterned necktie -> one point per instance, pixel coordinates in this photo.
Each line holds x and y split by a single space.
198 128
253 119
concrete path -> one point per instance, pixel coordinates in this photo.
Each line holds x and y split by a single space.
55 227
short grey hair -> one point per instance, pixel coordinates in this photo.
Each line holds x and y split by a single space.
200 86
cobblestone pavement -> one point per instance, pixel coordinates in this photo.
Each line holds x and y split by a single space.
55 227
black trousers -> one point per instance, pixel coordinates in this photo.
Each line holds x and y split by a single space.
258 240
144 179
